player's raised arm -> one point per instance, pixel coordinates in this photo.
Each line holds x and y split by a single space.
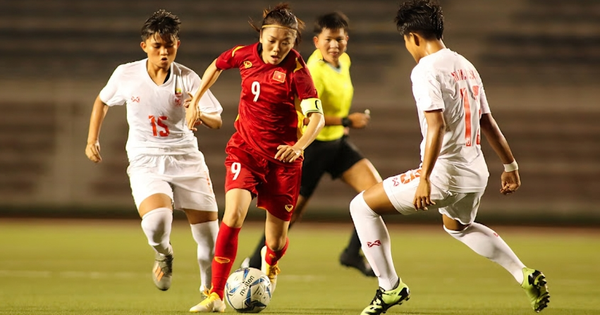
510 179
193 114
92 149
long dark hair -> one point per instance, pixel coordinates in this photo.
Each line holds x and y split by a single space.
281 15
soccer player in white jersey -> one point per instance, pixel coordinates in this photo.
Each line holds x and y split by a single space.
453 110
166 169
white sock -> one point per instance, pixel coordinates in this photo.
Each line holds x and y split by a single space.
205 235
487 243
157 227
375 242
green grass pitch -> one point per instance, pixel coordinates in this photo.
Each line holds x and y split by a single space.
103 267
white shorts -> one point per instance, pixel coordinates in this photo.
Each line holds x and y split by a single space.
401 190
184 178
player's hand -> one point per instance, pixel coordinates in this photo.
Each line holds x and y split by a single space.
192 114
510 181
360 120
287 153
92 150
423 195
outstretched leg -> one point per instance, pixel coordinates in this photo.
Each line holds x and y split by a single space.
487 243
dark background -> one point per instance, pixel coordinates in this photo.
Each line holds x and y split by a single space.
538 59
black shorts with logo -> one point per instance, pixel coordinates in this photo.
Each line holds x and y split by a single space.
334 157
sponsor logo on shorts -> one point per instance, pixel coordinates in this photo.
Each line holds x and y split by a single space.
289 208
375 243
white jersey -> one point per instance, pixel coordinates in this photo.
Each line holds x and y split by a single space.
446 80
155 113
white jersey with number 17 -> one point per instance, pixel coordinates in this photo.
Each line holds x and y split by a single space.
446 80
155 113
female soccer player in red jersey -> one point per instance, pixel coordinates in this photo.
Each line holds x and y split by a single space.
264 155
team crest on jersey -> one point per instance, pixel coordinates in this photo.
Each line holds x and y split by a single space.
247 64
178 85
289 208
279 76
178 100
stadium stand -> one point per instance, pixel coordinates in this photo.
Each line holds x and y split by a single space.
542 50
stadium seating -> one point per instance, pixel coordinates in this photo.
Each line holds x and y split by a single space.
544 50
27 139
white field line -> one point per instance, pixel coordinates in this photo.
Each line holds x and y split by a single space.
70 274
120 275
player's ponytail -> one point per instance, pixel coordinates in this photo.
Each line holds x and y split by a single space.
282 16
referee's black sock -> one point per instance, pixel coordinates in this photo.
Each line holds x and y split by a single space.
353 248
255 260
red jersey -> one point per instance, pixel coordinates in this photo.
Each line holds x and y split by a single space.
267 115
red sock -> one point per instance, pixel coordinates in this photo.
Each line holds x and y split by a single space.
225 252
273 257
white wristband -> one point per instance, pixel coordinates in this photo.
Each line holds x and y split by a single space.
511 167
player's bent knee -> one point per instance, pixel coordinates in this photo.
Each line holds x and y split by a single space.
152 202
277 244
198 216
455 230
453 225
359 207
233 219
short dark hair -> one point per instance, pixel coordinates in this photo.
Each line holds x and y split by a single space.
332 21
163 23
424 17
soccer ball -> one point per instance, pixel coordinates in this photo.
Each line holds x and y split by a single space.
248 290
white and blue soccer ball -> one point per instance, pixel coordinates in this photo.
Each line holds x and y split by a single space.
248 290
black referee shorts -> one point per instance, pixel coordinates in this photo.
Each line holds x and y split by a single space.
334 157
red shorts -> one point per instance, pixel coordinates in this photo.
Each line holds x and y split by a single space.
276 185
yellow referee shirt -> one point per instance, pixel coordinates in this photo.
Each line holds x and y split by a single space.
335 91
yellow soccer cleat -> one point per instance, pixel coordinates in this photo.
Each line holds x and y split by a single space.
212 304
270 271
534 284
383 300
